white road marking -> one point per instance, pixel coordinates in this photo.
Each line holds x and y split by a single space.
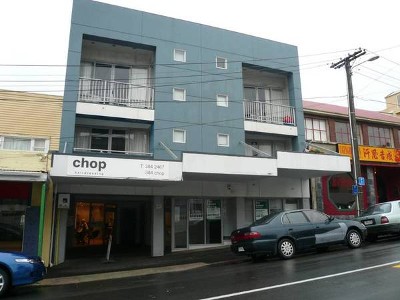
300 281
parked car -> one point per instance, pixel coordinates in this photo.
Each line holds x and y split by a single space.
19 269
382 219
287 232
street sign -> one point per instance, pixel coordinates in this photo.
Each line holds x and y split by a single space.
361 181
354 188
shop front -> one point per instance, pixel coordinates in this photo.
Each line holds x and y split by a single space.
380 166
15 198
192 223
157 207
96 222
196 222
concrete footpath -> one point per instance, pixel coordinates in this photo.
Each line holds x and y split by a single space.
74 271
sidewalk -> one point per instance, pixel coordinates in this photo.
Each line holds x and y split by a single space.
81 270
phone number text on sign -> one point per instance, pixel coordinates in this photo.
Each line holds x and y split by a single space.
152 170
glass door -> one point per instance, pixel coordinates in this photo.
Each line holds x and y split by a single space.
196 221
213 223
180 223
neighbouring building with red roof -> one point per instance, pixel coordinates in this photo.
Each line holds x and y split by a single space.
327 131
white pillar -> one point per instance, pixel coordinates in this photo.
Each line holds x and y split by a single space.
305 189
157 244
62 235
240 212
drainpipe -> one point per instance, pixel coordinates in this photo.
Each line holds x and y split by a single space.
41 220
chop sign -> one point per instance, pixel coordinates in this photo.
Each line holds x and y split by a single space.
89 164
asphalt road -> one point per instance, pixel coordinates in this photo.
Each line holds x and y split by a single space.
372 272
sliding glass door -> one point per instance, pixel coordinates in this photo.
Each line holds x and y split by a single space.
197 222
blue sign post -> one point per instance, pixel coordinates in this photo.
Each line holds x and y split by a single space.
361 181
354 189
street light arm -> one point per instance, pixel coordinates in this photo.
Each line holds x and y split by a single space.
370 59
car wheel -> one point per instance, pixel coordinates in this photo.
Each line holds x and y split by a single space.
286 248
4 282
354 239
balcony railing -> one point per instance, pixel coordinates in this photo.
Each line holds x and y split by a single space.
132 153
269 113
115 93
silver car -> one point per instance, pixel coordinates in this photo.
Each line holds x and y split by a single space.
381 219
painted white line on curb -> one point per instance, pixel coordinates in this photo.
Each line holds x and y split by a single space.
118 274
300 281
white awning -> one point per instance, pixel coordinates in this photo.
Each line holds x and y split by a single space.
6 175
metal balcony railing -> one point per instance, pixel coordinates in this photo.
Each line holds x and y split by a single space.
115 93
269 113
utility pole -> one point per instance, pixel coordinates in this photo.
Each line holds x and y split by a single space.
353 124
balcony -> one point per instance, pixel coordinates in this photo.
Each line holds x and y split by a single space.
265 112
115 93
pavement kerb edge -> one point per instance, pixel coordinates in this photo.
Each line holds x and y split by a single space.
118 274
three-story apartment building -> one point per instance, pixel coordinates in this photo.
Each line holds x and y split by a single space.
175 133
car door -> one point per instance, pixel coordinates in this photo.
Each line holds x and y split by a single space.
327 230
299 228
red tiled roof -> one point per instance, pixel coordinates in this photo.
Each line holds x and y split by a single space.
342 110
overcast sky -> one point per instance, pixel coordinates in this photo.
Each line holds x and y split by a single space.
34 40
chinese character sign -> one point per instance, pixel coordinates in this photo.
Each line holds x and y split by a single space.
376 154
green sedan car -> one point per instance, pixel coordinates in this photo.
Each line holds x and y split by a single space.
381 219
288 232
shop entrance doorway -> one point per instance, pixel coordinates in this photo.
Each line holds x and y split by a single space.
196 222
94 223
14 200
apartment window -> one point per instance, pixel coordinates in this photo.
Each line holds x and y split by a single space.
110 83
316 130
263 94
222 100
379 136
342 132
223 140
270 148
179 136
179 94
132 141
221 63
24 144
179 55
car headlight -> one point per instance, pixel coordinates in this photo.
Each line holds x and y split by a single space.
25 260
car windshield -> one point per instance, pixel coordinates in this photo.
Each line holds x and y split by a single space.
265 220
383 208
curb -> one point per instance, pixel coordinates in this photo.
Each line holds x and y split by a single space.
118 274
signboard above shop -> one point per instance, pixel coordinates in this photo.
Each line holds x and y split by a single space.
115 168
375 154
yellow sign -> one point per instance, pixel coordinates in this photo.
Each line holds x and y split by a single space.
377 154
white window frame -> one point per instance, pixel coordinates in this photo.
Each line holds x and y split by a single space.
180 55
32 146
175 138
218 62
175 94
318 134
222 100
221 136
